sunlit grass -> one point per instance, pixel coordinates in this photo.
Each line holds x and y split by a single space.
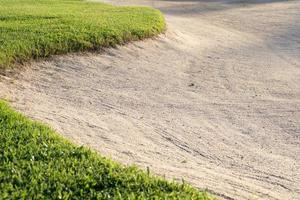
31 29
37 163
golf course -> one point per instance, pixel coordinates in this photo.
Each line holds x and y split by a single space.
150 99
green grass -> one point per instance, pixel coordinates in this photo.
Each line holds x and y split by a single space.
31 29
37 163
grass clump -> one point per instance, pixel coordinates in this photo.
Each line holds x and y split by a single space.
32 29
36 163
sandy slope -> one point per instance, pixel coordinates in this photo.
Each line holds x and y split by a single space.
215 101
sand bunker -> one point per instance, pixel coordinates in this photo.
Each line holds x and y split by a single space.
215 101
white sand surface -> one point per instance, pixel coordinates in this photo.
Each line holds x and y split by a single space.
215 100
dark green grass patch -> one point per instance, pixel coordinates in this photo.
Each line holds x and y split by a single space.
32 29
36 163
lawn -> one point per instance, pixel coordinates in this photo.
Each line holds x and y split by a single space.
31 29
37 163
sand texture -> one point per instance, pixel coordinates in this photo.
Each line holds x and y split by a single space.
215 100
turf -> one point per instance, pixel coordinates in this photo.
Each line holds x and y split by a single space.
31 29
37 163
